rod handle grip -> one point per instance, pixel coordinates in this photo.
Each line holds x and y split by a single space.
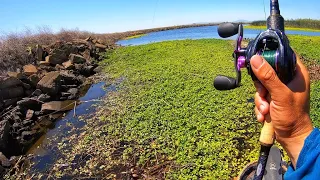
267 134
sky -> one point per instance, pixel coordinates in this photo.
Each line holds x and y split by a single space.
106 16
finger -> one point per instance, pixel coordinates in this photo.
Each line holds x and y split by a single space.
261 103
260 89
268 77
260 117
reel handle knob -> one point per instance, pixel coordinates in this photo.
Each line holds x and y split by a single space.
225 83
226 30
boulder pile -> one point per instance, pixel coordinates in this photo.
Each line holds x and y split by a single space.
32 98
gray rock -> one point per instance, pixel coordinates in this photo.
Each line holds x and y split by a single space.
36 92
44 97
8 82
30 103
12 92
4 135
26 86
9 102
27 135
73 93
4 160
97 69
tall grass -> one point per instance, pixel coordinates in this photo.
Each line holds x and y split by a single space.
14 45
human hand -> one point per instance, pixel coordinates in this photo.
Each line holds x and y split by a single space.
286 106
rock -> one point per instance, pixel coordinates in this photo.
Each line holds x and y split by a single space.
59 67
87 71
45 123
58 105
73 93
65 94
97 69
28 92
55 116
63 98
50 83
17 75
68 77
14 159
87 55
7 82
89 38
57 57
37 113
30 103
16 125
81 48
34 79
4 135
101 46
74 58
44 97
37 92
9 102
12 92
29 114
26 86
68 65
44 63
30 69
27 122
27 135
4 160
39 52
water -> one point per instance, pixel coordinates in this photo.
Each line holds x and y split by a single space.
45 149
197 33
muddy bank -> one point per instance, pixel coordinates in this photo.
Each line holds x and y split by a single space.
31 99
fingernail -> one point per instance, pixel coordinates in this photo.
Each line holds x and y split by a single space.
261 108
256 61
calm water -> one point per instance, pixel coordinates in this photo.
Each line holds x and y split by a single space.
196 33
45 149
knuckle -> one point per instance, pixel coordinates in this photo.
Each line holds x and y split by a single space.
269 75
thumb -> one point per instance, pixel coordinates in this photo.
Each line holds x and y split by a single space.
267 76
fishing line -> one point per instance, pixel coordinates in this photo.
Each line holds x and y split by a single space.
154 12
264 8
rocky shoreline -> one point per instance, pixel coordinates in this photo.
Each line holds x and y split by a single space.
32 98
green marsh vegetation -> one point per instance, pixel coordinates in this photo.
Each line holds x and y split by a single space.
168 121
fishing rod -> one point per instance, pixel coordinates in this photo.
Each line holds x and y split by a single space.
273 45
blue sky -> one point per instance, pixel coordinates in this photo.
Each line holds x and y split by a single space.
104 16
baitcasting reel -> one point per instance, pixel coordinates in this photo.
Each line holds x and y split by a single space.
272 44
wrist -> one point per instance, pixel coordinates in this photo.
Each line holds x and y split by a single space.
294 145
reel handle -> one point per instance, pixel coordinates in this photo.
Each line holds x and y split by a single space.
226 30
225 83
